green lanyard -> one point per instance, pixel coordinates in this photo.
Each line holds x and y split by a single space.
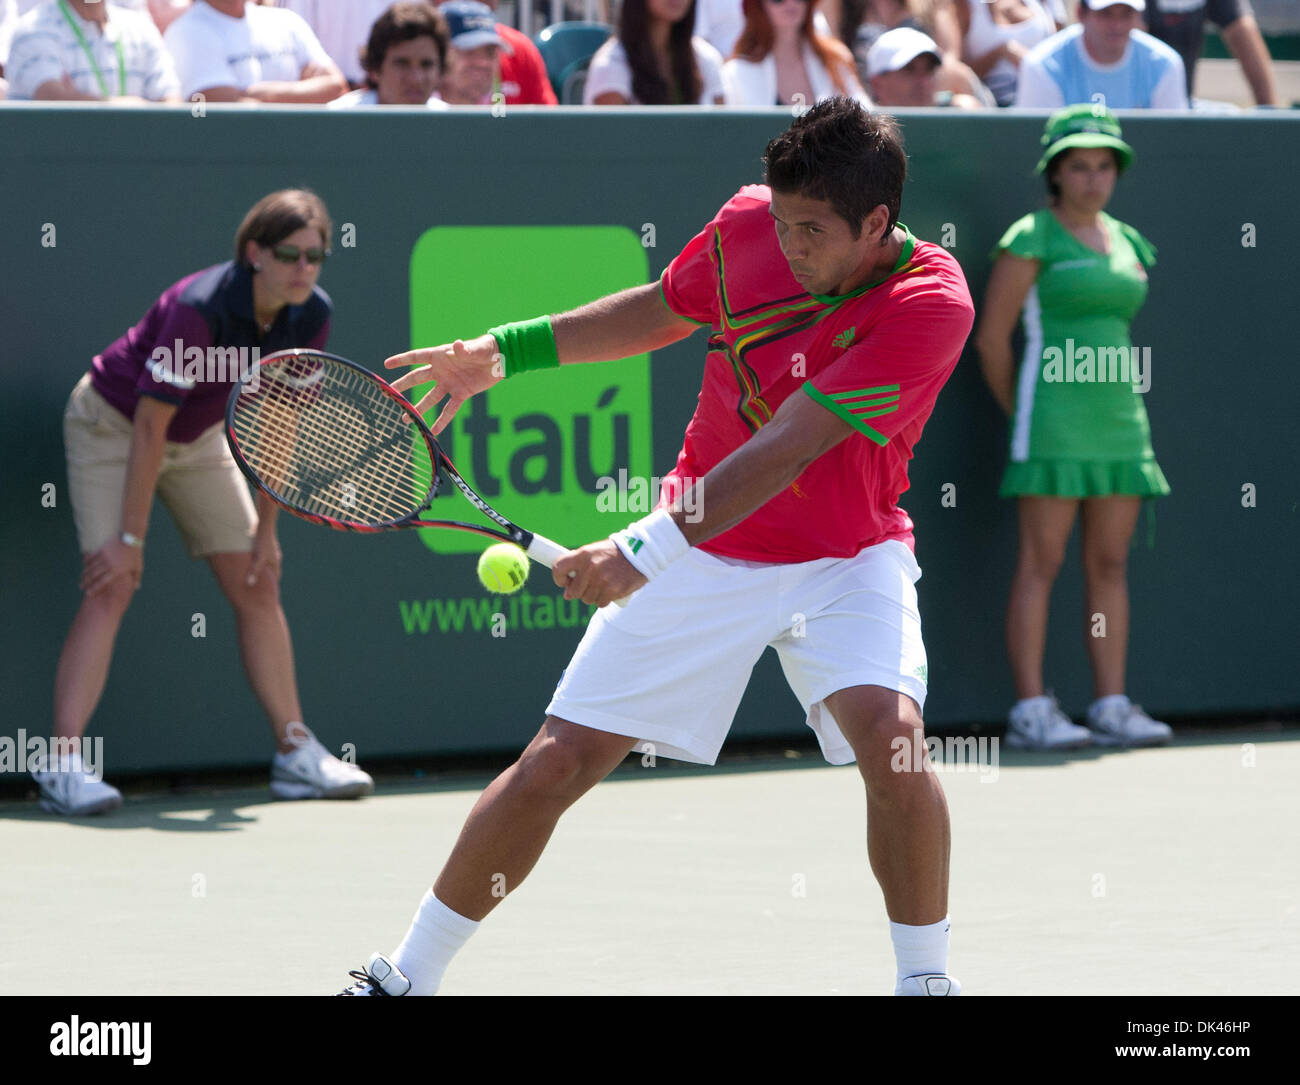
121 60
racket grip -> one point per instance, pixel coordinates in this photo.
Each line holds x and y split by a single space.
548 553
541 549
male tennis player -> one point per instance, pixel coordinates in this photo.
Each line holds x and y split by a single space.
832 330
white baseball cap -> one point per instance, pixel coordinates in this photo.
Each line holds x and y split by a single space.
1097 5
896 49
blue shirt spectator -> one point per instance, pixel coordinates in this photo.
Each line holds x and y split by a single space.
1106 60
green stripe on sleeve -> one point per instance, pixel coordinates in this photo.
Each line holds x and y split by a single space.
838 409
865 392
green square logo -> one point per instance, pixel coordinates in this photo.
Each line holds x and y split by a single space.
545 448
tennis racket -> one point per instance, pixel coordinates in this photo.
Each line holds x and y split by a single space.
334 444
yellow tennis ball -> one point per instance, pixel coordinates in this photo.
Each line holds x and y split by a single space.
503 568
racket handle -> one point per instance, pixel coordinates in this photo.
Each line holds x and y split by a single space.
548 553
541 549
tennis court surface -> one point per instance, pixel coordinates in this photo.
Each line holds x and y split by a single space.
1152 872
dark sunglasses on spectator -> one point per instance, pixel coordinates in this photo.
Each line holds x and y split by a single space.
289 254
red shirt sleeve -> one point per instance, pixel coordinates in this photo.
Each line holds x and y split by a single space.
690 283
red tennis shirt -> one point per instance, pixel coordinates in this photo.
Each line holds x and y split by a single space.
876 357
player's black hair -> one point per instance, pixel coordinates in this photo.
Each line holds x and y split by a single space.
845 155
400 23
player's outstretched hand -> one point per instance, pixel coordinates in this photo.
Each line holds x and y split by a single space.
459 370
596 573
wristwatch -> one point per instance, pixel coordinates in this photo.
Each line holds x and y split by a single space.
131 540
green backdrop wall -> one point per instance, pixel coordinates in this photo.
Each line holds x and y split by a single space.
138 198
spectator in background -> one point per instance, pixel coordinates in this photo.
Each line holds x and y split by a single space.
864 21
403 60
719 22
523 71
8 19
236 51
1080 442
89 51
1104 54
903 65
342 27
1181 24
997 34
655 59
144 421
473 72
781 59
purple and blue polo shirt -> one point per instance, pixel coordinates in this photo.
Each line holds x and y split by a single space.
211 308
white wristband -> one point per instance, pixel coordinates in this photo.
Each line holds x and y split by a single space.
652 544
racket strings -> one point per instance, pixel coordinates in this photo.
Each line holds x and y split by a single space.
328 440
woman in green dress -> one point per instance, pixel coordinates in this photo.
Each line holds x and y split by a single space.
1080 441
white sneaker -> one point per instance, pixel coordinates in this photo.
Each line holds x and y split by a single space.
310 771
69 790
381 977
934 984
1039 724
1122 723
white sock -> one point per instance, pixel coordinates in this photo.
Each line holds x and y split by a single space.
920 951
1101 704
1024 703
436 933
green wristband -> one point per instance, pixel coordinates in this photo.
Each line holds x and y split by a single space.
525 345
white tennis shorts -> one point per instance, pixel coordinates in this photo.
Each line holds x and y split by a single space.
670 668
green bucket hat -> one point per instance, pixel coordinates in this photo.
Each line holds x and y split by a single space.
1083 126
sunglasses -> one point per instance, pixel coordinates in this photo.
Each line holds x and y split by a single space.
290 254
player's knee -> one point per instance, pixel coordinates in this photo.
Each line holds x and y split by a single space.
561 764
894 751
551 768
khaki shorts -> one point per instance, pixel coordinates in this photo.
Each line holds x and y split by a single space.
198 482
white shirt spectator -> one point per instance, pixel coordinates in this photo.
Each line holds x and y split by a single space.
216 50
342 27
985 35
755 84
609 71
1059 72
8 17
719 22
46 47
368 96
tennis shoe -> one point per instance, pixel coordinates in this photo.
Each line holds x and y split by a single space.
69 790
380 977
1122 723
1039 724
933 984
310 771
